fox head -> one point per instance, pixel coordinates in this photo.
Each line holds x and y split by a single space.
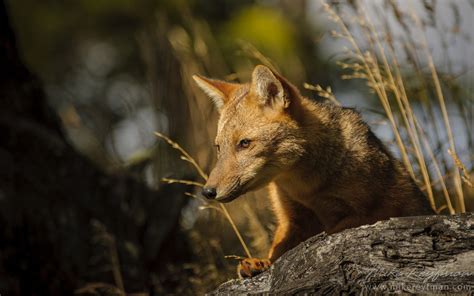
258 136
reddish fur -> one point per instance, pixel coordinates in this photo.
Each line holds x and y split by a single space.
325 169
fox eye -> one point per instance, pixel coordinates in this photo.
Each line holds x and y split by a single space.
244 143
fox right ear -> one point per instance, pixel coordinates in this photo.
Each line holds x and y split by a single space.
269 88
219 91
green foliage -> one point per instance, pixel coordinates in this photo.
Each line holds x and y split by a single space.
265 28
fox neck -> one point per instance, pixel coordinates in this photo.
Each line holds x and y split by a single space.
323 152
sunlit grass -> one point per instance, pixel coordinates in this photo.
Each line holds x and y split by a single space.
373 58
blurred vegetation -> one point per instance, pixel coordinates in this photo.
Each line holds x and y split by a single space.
116 71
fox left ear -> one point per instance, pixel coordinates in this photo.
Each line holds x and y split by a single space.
270 87
219 91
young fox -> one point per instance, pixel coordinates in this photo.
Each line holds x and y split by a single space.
325 169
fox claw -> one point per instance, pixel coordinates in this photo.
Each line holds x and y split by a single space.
250 267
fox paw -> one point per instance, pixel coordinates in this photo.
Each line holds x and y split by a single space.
250 267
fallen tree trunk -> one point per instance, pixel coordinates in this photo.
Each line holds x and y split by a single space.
428 255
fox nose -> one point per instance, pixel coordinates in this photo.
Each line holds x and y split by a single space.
209 192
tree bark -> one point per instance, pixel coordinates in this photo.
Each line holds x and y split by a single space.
412 255
61 218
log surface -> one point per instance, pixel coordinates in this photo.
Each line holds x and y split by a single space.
422 255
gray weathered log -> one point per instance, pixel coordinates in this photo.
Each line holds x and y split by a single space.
427 255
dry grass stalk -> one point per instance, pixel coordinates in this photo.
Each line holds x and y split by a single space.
398 90
379 66
250 50
186 157
442 104
185 182
465 175
94 288
103 237
324 93
367 62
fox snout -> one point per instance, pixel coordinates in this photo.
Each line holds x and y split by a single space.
221 185
209 192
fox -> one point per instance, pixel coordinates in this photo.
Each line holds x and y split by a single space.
325 169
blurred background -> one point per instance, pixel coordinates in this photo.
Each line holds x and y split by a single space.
111 73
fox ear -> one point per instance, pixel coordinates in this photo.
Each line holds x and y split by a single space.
269 88
219 91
